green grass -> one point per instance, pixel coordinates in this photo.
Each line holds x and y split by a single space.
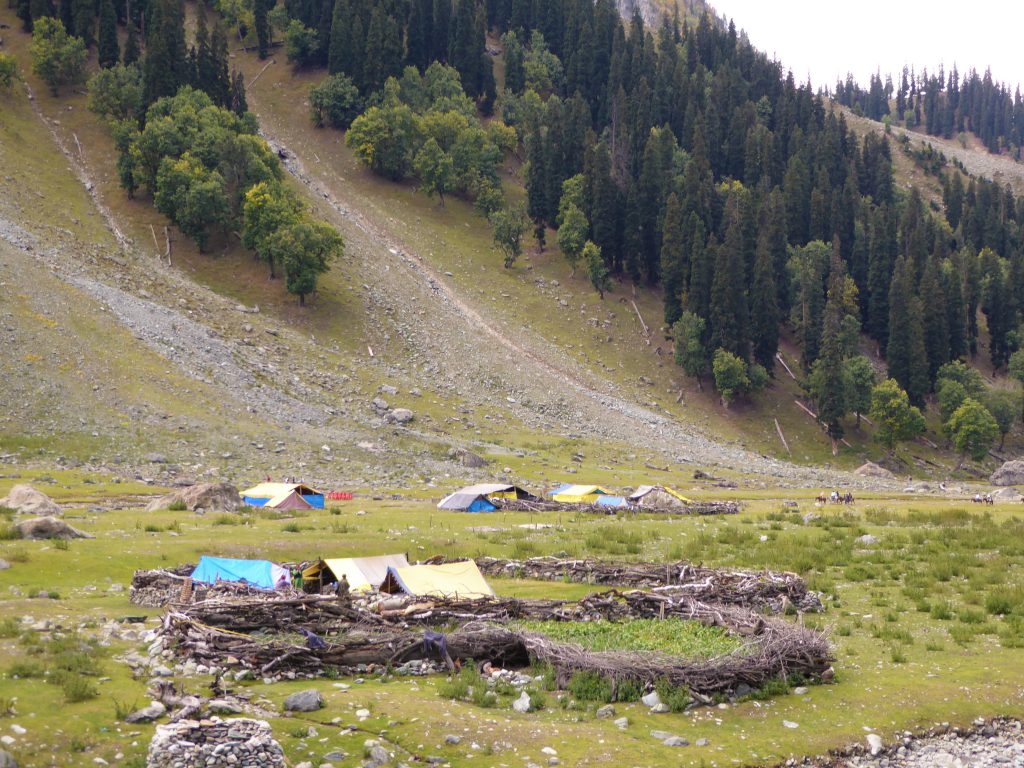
675 637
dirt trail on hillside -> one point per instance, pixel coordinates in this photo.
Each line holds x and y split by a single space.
592 407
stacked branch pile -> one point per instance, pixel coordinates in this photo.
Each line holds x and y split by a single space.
772 590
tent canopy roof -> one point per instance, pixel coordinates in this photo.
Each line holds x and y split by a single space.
289 500
462 579
644 490
464 497
273 490
363 573
259 573
581 490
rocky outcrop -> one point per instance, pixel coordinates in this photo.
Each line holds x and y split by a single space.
467 458
49 528
1011 473
870 469
29 501
210 497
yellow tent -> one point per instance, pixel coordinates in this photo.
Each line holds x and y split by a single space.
462 579
363 573
580 494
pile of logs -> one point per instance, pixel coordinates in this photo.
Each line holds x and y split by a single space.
771 590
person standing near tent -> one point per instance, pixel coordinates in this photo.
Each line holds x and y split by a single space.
342 591
297 579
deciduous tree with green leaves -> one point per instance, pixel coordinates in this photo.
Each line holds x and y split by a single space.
597 270
972 429
731 376
1002 404
896 419
860 381
8 70
690 355
435 169
191 196
572 234
57 58
509 225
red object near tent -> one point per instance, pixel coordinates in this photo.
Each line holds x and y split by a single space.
339 496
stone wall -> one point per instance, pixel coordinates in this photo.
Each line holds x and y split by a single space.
241 742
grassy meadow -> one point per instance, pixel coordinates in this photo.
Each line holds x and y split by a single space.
927 625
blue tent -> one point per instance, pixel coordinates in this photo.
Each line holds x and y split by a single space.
611 501
259 573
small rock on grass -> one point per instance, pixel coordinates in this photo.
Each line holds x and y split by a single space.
676 741
622 723
7 759
607 711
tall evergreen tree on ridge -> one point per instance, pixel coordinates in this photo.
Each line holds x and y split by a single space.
906 355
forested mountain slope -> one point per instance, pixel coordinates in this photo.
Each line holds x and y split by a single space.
731 214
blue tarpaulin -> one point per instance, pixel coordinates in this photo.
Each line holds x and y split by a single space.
260 573
611 501
557 490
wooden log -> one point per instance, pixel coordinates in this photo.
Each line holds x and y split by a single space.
782 437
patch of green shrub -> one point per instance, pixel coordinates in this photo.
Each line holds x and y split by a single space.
177 506
77 688
677 697
629 690
587 685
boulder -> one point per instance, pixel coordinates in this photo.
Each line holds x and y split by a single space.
147 714
27 500
400 416
7 759
522 704
467 458
875 745
1011 473
49 528
4 565
867 540
870 469
651 699
212 497
304 701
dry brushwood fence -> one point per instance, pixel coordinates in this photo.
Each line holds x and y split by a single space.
771 590
268 637
680 508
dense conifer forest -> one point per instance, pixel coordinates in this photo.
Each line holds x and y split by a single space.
675 158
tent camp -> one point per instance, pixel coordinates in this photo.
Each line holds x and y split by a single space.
259 573
580 494
659 497
283 496
462 579
478 498
362 573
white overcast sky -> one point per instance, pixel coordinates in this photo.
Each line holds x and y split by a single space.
825 39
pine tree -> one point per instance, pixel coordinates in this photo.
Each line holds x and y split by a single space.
67 13
164 69
131 46
935 319
206 70
729 312
905 352
338 55
40 8
764 306
828 383
956 313
109 52
674 265
220 90
84 12
260 10
441 31
239 105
